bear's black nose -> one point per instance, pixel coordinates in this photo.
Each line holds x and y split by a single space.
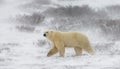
44 34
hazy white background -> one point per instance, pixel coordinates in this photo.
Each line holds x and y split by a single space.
22 23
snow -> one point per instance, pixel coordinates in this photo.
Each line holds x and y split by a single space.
20 50
25 54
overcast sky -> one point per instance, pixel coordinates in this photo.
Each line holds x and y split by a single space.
92 3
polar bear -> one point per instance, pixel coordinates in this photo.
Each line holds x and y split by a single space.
61 40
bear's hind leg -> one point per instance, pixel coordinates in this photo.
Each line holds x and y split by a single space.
89 49
78 51
52 51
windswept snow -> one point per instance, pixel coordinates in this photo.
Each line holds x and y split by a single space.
92 3
27 50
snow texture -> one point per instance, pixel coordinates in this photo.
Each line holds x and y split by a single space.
22 23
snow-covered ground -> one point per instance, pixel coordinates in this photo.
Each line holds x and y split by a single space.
27 50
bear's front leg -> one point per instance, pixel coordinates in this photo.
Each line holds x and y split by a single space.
62 52
52 51
60 47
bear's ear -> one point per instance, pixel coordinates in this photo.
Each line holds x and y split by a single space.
52 34
51 31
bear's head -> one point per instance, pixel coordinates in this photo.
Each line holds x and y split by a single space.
48 34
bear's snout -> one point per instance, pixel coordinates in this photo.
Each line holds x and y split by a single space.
44 34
